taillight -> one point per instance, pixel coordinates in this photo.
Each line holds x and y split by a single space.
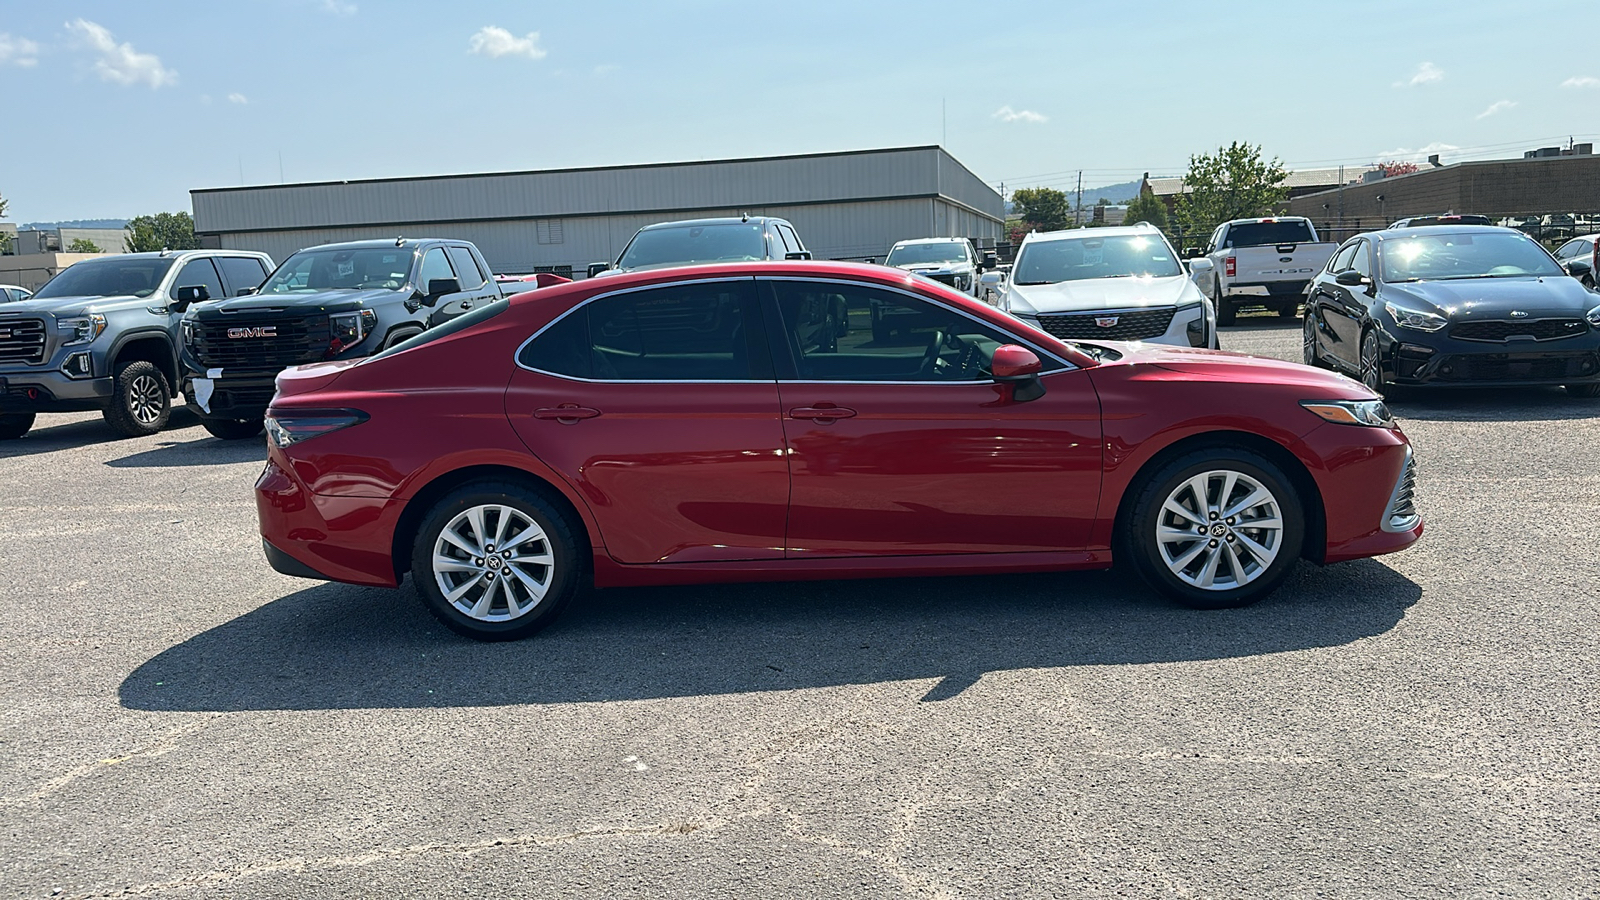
1230 266
293 426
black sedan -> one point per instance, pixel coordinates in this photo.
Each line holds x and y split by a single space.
1452 306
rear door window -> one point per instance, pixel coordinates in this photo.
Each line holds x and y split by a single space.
687 332
242 272
466 268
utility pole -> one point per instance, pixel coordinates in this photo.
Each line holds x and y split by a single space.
1077 212
1341 200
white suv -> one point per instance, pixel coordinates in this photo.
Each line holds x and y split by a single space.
1117 284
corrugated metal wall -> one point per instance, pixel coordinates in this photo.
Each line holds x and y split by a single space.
846 205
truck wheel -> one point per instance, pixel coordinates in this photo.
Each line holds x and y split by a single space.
232 429
1226 311
15 425
1586 391
141 402
1289 311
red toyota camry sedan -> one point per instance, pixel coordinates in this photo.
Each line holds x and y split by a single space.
796 420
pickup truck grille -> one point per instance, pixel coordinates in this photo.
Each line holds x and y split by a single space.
1129 326
22 341
287 342
1503 330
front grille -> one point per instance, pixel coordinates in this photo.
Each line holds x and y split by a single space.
1499 330
1552 367
297 340
1129 326
1402 512
22 341
944 278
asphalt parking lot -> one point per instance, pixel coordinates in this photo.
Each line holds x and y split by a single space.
178 720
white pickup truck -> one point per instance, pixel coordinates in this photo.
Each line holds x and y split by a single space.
1261 262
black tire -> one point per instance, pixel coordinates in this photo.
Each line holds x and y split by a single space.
1586 391
15 425
1137 537
232 429
1289 311
562 541
141 400
1226 311
1372 363
1308 342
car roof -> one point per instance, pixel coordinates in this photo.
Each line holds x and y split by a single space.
392 243
1260 219
944 240
725 220
1395 234
1080 233
171 254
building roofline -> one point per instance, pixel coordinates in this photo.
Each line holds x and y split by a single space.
1460 164
615 168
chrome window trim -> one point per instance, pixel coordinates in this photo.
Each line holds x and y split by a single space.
516 356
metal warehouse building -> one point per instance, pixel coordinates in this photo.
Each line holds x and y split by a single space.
845 206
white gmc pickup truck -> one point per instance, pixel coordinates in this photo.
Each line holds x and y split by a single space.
1261 262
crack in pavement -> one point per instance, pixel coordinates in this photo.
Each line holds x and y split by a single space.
166 743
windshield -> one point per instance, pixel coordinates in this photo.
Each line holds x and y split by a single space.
1442 257
1077 259
679 244
924 254
109 277
335 269
1268 234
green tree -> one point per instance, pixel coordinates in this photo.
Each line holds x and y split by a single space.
1042 208
162 231
1233 183
5 239
1147 208
83 245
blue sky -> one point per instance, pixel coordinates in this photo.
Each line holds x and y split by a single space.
115 109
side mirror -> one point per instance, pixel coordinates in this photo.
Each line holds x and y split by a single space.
872 260
1351 278
190 294
245 292
1201 264
439 287
797 254
990 278
1019 367
597 268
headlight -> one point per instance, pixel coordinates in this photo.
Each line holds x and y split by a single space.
81 329
1411 318
1593 316
349 329
1352 412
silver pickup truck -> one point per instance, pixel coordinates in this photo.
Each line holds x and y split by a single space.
1261 262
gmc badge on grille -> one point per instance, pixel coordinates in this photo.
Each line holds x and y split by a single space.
259 331
1106 321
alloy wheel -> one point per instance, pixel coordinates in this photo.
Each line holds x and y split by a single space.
493 563
1371 369
1308 341
1219 530
145 399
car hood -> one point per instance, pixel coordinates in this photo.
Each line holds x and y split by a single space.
324 301
1222 366
1495 298
952 268
1101 293
75 306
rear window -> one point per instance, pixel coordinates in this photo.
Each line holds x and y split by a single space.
460 323
1268 234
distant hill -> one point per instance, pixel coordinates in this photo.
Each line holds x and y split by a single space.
75 223
1116 193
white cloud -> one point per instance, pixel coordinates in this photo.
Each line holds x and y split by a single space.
120 62
338 7
238 98
493 41
1007 114
1581 81
1499 106
17 51
1406 154
1427 73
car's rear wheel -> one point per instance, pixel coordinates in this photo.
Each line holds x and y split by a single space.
496 561
141 402
15 425
1584 390
233 429
1226 312
1215 528
1308 341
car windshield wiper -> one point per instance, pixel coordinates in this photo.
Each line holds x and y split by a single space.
1484 275
1033 282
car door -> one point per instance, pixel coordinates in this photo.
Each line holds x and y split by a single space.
1321 295
659 406
1345 308
436 265
901 444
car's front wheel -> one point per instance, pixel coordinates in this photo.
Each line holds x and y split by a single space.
15 425
1215 528
1372 363
1308 341
233 429
141 402
496 561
